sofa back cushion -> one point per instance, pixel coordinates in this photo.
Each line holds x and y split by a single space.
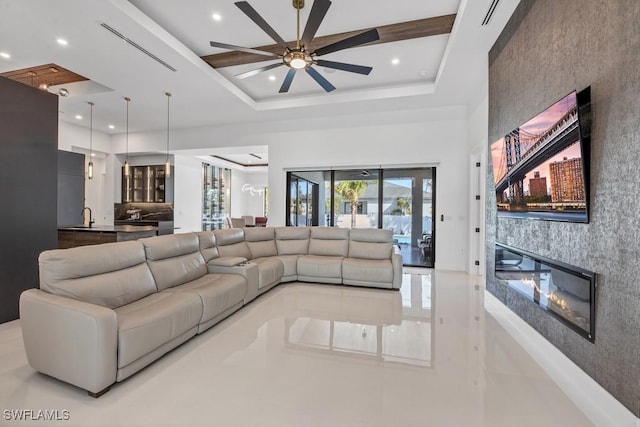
208 246
109 275
231 242
367 243
174 259
292 240
261 241
329 241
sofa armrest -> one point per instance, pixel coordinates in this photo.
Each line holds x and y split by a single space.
71 340
248 270
227 261
396 264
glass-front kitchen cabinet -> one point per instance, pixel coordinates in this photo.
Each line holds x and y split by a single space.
216 196
147 184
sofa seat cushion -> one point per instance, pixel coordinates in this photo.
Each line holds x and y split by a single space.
357 271
218 292
147 324
270 271
317 268
290 263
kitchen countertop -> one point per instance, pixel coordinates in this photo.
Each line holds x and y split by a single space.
113 228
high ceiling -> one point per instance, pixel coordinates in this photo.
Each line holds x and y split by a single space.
430 72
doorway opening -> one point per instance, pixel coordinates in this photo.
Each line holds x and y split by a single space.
400 200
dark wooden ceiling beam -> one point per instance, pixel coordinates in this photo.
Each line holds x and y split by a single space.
48 74
388 33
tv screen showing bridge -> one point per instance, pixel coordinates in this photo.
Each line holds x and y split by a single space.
538 167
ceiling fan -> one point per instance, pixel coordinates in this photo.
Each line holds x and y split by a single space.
299 57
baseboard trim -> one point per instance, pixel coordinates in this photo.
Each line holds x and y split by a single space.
599 406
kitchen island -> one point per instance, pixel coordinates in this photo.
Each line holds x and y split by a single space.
73 235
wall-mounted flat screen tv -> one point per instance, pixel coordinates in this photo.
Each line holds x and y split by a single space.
541 168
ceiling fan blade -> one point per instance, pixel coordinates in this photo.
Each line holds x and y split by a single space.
242 49
318 11
321 80
352 68
255 17
258 71
388 33
286 84
362 38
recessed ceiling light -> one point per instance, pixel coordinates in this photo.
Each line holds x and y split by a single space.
112 127
5 55
216 17
78 116
62 42
395 61
272 78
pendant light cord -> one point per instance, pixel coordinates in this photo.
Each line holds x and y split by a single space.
127 154
90 129
168 97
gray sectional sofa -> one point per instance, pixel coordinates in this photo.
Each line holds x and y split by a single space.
104 312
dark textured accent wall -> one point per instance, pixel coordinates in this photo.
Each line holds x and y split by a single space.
548 49
70 187
28 187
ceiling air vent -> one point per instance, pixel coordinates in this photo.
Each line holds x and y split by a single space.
489 15
136 45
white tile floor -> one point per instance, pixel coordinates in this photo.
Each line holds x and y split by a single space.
319 355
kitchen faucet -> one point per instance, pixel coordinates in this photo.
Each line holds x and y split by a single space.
84 218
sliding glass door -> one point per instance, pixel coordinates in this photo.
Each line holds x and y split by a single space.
302 200
355 194
408 211
400 200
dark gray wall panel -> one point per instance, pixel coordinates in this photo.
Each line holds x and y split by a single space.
70 187
28 179
549 48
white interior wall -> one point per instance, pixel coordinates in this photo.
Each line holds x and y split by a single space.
478 122
441 142
187 206
238 179
253 193
430 137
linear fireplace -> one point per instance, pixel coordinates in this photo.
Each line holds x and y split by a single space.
565 291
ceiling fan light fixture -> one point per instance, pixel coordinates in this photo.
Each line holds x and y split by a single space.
297 60
298 63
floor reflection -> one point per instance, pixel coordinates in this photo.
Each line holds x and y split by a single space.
392 327
319 355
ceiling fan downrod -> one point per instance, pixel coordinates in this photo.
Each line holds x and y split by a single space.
298 4
297 58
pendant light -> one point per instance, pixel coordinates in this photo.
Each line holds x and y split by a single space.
90 171
167 165
127 168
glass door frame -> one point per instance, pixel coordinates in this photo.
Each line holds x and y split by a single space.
382 173
311 201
